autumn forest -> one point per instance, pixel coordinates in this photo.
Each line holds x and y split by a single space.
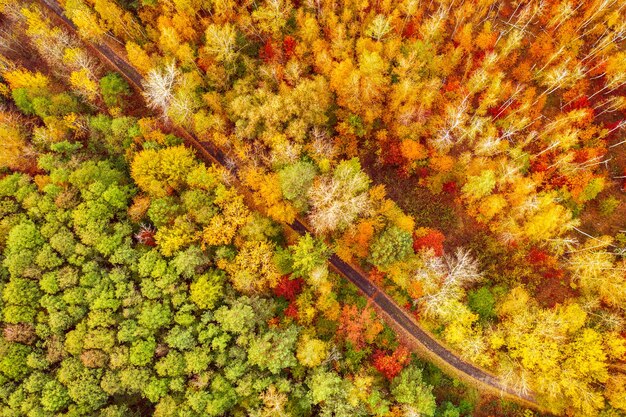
273 208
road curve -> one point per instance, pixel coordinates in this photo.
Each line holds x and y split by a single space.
424 340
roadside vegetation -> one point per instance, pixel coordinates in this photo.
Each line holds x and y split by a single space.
468 157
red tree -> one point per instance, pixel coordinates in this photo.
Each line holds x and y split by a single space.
390 365
292 310
268 52
145 235
450 187
289 46
432 239
288 288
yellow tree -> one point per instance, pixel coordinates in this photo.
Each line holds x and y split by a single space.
253 269
15 152
160 172
117 20
138 57
268 195
85 18
311 352
233 215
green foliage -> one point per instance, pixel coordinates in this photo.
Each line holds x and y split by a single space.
154 315
593 188
97 324
295 181
393 244
262 228
142 351
308 255
237 319
274 350
483 302
114 89
330 391
609 205
163 210
481 185
23 101
409 388
21 245
54 396
13 360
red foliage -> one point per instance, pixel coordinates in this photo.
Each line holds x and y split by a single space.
450 187
433 239
403 172
203 63
538 165
393 156
267 53
537 256
413 310
544 263
409 30
553 273
390 365
288 288
503 110
582 155
558 181
421 172
145 235
479 55
273 322
580 103
451 85
612 127
289 46
292 310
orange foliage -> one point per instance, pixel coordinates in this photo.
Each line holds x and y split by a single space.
359 327
413 150
390 365
429 239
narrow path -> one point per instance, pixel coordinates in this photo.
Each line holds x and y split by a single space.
432 349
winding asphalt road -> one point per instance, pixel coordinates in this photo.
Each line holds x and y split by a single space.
400 318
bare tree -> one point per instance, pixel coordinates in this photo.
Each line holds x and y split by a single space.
159 87
338 199
443 280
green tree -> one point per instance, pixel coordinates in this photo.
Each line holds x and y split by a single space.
13 360
393 244
481 185
274 350
409 389
295 181
308 256
21 249
142 351
114 89
54 396
482 302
